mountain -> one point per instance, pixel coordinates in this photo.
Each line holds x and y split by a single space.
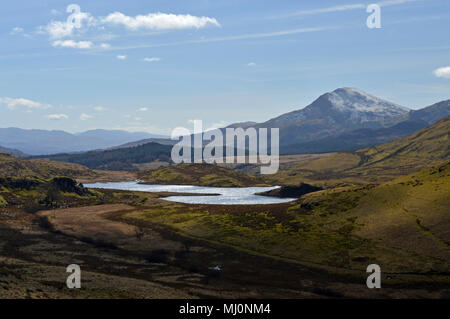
40 142
242 124
117 159
348 119
422 149
353 140
344 109
432 113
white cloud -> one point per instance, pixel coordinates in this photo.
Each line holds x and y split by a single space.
100 108
138 118
57 117
78 23
443 72
159 21
85 116
143 109
121 57
154 59
22 103
73 44
251 64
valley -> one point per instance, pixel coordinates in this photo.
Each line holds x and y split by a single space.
159 249
335 213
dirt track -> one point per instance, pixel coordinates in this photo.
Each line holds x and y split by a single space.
92 222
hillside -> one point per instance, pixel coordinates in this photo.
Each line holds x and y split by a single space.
406 220
162 141
20 168
401 225
354 140
200 175
432 113
425 148
117 159
8 151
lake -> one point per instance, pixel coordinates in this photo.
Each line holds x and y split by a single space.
226 195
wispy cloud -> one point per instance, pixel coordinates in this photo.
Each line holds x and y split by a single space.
154 59
73 44
395 2
21 103
443 72
55 12
251 64
143 109
99 108
229 38
121 57
16 30
330 9
341 8
57 116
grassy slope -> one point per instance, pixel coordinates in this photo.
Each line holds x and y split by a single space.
200 175
24 183
401 225
420 150
8 151
14 167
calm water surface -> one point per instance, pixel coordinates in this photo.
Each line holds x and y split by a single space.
227 195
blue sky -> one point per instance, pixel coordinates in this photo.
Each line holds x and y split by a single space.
154 65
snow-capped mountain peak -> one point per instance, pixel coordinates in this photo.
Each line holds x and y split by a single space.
354 100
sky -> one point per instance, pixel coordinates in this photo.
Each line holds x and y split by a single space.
154 65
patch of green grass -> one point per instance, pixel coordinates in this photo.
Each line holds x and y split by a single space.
3 202
200 175
347 227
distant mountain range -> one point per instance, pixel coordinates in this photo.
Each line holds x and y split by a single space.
40 142
346 119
